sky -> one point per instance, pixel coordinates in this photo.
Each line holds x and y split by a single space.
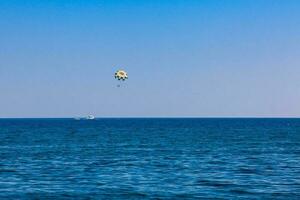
184 58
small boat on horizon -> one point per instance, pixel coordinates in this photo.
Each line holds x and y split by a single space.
90 117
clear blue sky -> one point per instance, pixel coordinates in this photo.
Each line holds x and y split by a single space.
184 58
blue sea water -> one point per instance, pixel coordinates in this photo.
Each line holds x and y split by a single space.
150 159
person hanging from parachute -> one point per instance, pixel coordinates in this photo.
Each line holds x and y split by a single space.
121 75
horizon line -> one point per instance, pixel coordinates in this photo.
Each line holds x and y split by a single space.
164 117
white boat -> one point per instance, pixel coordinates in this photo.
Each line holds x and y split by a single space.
90 117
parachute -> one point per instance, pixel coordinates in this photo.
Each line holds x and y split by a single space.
121 75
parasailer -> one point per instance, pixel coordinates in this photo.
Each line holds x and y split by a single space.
121 75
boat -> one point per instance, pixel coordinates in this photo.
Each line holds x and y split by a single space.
90 117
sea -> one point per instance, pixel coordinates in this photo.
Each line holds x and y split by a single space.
150 158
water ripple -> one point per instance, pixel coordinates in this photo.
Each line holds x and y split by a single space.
150 159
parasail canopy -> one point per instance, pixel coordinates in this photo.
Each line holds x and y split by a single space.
121 75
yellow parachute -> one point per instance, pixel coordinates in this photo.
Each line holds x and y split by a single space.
121 75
